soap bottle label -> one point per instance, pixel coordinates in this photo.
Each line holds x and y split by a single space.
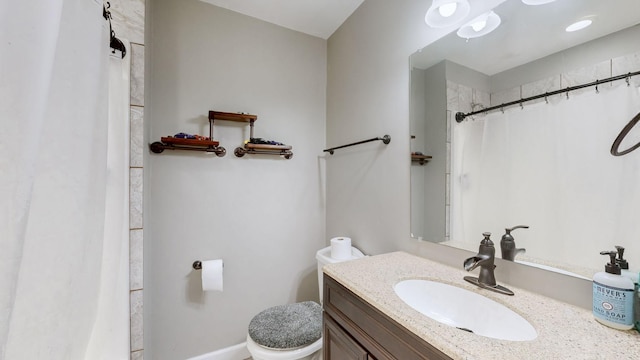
613 304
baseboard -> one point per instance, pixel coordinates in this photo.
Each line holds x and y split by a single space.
235 352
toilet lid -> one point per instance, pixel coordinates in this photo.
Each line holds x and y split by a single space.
287 326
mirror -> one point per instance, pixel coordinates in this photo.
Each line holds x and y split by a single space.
540 164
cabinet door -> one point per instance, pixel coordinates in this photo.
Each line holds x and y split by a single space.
339 345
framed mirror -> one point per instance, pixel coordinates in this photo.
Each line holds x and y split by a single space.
546 162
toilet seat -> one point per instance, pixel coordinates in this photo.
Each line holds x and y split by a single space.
259 352
286 332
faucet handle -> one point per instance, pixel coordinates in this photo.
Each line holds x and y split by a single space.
509 230
507 236
487 239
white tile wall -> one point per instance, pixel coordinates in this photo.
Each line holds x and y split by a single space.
452 96
586 75
465 98
136 306
137 131
505 96
128 19
137 74
540 87
627 64
135 259
135 198
481 99
128 23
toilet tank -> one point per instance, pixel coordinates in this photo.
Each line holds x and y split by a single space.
324 257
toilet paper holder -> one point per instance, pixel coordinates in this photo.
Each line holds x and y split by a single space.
197 265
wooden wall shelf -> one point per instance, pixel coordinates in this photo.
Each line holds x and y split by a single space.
265 149
239 117
251 148
173 143
210 145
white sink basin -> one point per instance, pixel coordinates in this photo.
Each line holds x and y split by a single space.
465 310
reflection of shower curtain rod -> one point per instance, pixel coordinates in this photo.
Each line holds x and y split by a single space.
114 42
460 116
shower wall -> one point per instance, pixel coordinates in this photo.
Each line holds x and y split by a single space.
128 23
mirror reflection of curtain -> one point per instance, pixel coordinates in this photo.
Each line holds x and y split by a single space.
549 166
53 156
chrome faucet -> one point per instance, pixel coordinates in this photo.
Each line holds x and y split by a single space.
485 259
508 244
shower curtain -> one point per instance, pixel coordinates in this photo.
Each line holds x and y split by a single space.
549 166
54 252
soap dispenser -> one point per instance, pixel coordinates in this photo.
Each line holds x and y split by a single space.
613 296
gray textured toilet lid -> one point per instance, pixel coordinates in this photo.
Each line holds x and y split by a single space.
287 326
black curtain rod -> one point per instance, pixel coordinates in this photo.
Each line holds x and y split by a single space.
114 42
385 139
460 116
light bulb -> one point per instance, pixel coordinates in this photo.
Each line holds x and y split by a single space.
479 25
447 10
444 13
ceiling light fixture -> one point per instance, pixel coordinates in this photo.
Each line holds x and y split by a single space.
537 2
443 13
578 25
480 26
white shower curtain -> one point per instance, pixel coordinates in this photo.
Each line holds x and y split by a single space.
549 166
53 156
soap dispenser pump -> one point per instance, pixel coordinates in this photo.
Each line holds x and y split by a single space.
613 296
624 265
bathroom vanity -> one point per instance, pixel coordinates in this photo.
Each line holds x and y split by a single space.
365 319
354 329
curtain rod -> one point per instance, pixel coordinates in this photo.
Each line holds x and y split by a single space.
460 116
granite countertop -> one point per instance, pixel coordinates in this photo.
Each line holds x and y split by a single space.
564 331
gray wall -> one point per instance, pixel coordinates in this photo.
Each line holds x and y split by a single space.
262 214
368 95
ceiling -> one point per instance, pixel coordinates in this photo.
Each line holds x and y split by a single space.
528 33
318 18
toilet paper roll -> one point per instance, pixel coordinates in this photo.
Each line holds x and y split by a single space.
212 275
341 248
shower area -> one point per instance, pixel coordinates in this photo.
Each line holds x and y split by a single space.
549 164
65 185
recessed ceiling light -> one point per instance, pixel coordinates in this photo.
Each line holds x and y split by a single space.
443 13
537 2
578 25
480 26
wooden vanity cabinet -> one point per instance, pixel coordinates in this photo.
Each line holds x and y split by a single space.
355 330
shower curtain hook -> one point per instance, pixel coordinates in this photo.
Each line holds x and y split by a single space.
597 91
521 106
627 79
545 98
567 94
502 108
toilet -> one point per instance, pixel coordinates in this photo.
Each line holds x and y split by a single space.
293 331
